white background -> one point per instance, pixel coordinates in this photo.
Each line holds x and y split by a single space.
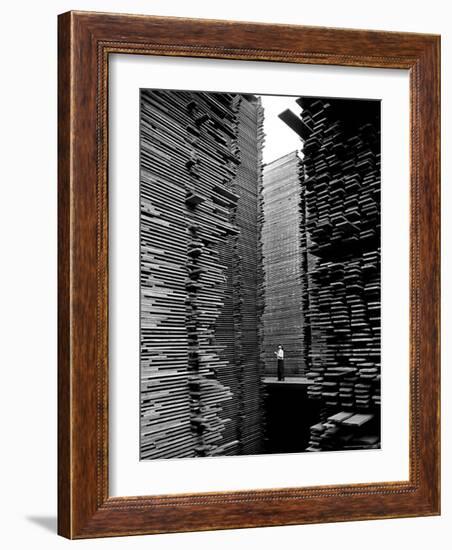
128 476
28 275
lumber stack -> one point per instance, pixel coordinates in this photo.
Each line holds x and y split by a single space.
165 395
341 158
284 266
237 328
193 278
345 431
247 275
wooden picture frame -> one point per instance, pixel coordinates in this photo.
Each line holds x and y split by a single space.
86 40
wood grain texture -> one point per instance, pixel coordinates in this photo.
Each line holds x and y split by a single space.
85 42
64 361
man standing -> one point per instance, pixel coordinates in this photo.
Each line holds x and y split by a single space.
280 358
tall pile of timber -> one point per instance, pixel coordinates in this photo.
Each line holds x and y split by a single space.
342 190
193 333
247 273
284 265
237 328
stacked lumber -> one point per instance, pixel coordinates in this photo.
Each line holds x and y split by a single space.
165 395
284 257
196 288
345 431
237 329
341 158
211 219
246 275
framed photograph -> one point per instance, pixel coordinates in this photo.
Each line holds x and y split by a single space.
248 275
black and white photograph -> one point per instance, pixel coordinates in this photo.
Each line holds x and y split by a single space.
260 279
225 265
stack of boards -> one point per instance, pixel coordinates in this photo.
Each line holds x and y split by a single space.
345 431
201 389
284 266
341 158
248 274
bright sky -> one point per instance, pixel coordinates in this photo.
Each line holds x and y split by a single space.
279 138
